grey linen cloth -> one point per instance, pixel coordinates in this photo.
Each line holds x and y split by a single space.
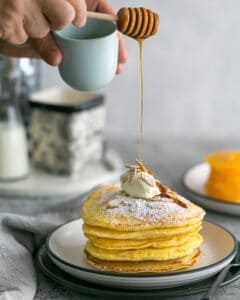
20 237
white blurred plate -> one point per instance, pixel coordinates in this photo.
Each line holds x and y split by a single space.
193 181
43 184
65 247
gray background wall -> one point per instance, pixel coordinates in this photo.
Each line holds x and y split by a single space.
191 71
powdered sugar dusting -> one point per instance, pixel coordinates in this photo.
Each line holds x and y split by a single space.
117 203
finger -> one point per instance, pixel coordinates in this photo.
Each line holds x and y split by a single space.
105 7
23 51
11 17
119 69
59 13
19 36
122 52
12 31
80 12
47 49
36 25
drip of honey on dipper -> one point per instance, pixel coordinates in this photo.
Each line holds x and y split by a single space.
139 24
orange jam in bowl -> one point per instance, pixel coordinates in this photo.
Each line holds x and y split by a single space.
224 179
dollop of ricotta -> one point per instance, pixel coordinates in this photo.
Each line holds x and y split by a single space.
139 183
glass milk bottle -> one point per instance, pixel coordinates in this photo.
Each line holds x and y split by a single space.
14 163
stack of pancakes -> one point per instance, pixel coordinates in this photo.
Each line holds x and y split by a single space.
127 234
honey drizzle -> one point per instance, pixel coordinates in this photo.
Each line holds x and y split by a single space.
141 104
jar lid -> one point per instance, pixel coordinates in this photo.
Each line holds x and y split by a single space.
65 100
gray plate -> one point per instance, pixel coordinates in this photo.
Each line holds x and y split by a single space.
59 276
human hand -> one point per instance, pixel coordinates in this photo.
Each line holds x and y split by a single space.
26 25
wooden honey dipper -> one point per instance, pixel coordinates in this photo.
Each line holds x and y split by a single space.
136 22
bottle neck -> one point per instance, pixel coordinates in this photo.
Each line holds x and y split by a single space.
10 112
10 79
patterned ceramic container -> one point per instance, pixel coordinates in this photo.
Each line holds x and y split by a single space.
66 130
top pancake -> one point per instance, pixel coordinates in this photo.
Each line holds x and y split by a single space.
109 207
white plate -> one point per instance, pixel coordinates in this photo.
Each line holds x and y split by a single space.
65 247
194 180
43 184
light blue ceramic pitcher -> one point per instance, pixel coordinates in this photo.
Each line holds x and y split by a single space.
90 54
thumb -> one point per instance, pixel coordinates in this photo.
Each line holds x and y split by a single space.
80 7
47 49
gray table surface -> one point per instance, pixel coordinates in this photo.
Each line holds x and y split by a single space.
169 159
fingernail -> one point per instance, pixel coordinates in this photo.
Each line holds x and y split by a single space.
80 23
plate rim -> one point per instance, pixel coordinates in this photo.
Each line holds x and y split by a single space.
71 285
133 275
205 197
